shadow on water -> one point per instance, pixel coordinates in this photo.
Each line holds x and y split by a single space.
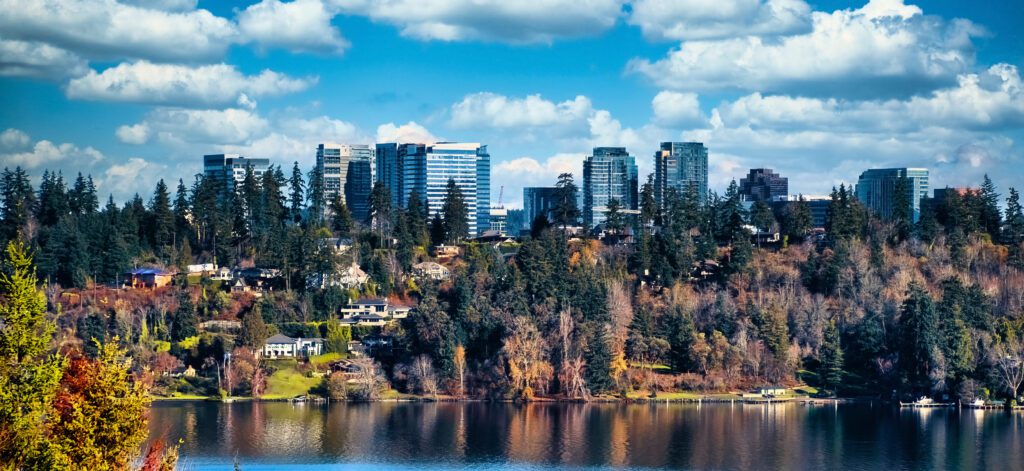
573 436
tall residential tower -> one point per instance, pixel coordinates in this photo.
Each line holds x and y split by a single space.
609 174
680 165
348 170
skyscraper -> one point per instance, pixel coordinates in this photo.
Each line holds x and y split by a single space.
763 184
680 165
231 167
609 174
537 201
876 189
426 169
347 171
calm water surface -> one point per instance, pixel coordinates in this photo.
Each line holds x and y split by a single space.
391 436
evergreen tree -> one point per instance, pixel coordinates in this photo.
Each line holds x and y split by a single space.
341 219
296 189
29 376
1013 229
680 339
796 220
615 221
831 357
18 203
184 318
381 212
989 215
161 219
648 205
417 219
927 225
762 217
919 338
565 211
455 214
315 196
902 215
254 331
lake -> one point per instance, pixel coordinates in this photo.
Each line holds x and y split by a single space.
408 436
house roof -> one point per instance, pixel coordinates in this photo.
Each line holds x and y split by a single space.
278 338
150 271
371 301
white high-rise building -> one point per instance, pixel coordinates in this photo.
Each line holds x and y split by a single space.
348 170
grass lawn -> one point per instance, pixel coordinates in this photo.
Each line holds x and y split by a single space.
318 360
287 383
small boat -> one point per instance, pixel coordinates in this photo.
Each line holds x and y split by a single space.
924 401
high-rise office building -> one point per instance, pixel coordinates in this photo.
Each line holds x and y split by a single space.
537 201
231 167
680 165
425 170
763 184
816 205
348 171
876 189
609 174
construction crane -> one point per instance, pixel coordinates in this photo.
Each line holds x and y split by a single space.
501 193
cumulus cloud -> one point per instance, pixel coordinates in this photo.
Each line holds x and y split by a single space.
169 84
715 19
677 109
537 21
105 29
133 176
134 134
992 100
17 150
210 127
498 111
408 132
528 171
166 5
299 26
884 48
38 60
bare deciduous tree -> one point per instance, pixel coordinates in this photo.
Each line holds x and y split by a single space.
1009 359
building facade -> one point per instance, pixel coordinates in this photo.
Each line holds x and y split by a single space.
230 168
816 205
348 170
609 174
763 184
426 169
876 189
538 201
680 165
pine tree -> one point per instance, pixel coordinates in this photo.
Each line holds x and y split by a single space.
1013 229
380 213
918 331
296 188
418 220
315 197
161 220
989 215
455 214
762 217
902 215
565 211
184 318
341 219
648 204
614 220
254 330
831 358
18 203
29 376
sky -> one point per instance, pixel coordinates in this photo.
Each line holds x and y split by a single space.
133 91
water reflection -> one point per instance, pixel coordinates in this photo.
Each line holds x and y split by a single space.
717 436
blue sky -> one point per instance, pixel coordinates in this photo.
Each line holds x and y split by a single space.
138 90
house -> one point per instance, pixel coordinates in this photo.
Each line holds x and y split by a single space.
282 346
351 277
771 391
431 270
446 251
149 277
221 274
258 279
340 245
372 312
201 268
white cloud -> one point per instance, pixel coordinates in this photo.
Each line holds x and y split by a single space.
211 127
992 100
528 171
134 134
498 111
715 19
299 26
536 21
38 60
133 176
677 109
19 151
166 5
207 85
411 132
105 29
885 48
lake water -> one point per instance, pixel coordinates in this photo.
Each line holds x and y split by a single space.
415 436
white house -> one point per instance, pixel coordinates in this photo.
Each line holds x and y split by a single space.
282 346
372 312
432 270
201 268
351 277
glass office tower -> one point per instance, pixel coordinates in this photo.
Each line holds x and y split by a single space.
609 174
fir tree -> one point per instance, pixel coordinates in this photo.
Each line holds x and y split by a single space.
989 215
184 318
455 214
831 358
1013 229
565 211
296 189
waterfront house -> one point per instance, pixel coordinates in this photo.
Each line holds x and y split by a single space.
201 268
282 346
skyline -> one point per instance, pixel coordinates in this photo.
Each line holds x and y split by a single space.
818 92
